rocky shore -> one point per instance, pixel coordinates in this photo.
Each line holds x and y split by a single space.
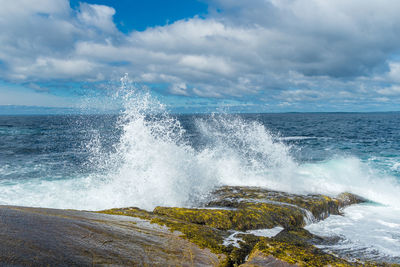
221 233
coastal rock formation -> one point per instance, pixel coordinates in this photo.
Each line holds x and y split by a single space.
49 237
219 233
242 209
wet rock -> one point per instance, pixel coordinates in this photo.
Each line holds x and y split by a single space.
258 258
313 206
298 235
48 237
256 208
249 208
247 216
202 235
346 199
139 237
296 253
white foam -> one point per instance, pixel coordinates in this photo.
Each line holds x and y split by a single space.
234 240
153 165
367 230
266 232
395 166
296 138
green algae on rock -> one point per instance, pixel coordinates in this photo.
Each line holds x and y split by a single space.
300 254
292 247
247 216
250 208
320 206
202 235
256 208
235 209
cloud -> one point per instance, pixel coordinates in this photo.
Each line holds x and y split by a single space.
301 95
393 75
264 50
98 16
390 91
179 89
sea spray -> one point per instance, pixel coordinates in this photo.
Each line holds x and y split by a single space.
155 164
146 157
152 161
244 152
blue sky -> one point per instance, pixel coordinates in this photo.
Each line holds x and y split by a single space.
203 56
139 15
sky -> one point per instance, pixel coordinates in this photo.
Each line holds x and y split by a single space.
203 55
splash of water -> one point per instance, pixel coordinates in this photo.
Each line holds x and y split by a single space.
154 164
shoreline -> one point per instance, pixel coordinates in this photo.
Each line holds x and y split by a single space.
177 236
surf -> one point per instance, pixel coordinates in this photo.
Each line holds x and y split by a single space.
155 163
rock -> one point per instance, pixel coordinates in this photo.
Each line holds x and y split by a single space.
247 216
139 237
258 258
49 237
249 208
295 253
202 235
346 199
298 235
293 247
313 206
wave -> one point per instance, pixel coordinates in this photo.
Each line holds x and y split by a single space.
154 164
297 138
365 231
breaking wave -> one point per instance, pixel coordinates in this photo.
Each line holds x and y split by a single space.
154 163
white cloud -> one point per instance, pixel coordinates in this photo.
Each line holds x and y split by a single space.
207 64
301 95
179 89
265 47
98 16
390 91
394 72
23 8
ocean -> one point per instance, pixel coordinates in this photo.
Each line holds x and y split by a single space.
146 157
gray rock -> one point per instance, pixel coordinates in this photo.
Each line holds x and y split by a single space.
49 237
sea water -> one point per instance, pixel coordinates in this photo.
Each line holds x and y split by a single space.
145 156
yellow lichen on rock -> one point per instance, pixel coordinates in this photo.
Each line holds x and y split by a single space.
300 254
250 208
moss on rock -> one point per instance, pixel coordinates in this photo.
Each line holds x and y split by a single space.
217 218
247 216
298 235
204 236
248 208
320 206
299 253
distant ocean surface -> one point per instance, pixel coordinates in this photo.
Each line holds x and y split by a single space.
144 157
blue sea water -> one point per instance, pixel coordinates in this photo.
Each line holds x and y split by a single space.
53 147
147 157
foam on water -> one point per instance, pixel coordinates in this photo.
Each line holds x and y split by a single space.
365 231
153 164
233 238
